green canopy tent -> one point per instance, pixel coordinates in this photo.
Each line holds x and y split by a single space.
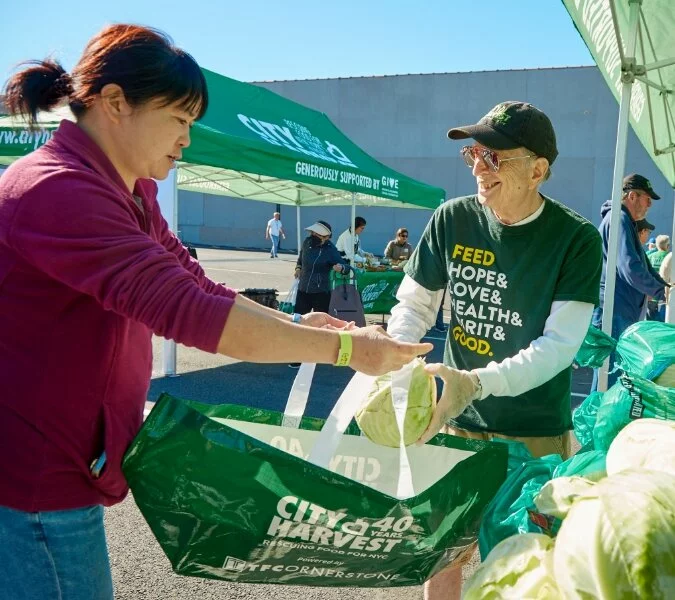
633 45
257 145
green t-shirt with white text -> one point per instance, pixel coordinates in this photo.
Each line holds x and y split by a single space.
502 281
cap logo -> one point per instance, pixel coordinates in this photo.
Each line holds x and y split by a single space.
499 115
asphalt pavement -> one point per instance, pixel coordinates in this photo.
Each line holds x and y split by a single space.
140 569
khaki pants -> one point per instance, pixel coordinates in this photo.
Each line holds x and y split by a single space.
538 446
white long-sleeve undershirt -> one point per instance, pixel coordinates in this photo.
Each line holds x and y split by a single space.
530 367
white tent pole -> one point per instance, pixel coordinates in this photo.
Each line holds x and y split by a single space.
167 196
297 219
619 166
670 307
352 227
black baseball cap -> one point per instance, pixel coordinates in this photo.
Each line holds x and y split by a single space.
512 125
644 224
638 182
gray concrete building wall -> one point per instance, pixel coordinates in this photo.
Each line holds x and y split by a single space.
402 121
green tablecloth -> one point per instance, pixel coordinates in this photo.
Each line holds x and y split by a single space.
378 290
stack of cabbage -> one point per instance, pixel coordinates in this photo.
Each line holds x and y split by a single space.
617 538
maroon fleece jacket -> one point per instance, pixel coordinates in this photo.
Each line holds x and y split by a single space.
88 272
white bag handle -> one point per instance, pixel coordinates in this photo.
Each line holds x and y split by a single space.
297 397
345 408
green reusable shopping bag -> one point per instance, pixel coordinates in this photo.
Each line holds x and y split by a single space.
255 496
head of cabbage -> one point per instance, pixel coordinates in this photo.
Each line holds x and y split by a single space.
377 418
618 539
521 566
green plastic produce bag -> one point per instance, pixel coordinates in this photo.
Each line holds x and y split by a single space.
646 349
584 418
255 496
628 399
595 348
513 510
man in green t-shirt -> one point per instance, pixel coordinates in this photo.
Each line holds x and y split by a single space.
523 274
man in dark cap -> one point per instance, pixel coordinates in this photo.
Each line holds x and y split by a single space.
523 273
636 279
644 229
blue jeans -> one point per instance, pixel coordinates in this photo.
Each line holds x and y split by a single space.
275 245
54 555
619 325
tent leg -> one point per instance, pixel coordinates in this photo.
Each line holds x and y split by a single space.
619 167
297 219
670 307
167 196
352 227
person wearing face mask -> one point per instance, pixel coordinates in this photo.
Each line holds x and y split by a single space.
89 270
522 271
636 279
318 257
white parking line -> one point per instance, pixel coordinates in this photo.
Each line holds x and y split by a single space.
238 271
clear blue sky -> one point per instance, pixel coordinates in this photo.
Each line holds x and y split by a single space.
255 40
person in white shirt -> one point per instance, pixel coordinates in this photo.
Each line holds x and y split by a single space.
274 230
349 245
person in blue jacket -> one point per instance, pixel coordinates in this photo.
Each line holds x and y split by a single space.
636 279
318 256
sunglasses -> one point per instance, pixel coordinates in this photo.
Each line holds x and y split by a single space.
491 159
403 235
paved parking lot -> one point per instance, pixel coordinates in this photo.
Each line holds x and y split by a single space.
140 570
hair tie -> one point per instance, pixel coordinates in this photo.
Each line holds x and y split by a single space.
63 86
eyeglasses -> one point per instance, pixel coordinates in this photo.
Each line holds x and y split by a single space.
403 235
489 157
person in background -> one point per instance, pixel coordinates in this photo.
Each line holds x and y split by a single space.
522 272
398 249
274 230
655 308
90 270
644 229
636 279
662 249
349 245
651 245
665 270
318 257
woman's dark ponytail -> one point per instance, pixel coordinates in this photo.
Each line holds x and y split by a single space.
40 86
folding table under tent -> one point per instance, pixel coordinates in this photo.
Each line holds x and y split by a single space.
633 45
257 145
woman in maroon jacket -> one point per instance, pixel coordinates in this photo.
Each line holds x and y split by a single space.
88 272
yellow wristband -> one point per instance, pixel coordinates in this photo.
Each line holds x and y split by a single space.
345 352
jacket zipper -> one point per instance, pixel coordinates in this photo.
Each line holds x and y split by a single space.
312 273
